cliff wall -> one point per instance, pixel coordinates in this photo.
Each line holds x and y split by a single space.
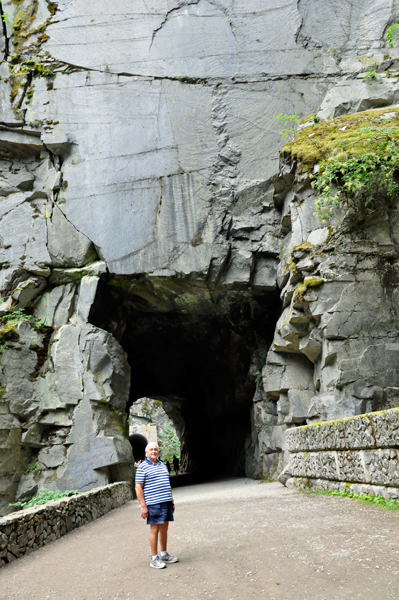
138 231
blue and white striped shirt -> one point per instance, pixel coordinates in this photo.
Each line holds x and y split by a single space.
155 478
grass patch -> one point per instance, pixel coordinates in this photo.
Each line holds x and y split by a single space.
43 497
362 498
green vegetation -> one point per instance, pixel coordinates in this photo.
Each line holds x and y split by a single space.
147 409
357 157
371 73
43 497
301 289
391 34
8 333
22 26
267 479
23 29
8 325
169 444
289 123
7 18
19 80
362 498
261 367
52 7
20 315
36 68
33 467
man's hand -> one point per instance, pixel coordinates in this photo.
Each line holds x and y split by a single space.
140 498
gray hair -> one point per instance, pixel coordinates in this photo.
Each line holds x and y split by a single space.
151 444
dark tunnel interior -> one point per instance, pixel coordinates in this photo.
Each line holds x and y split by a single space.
197 365
138 442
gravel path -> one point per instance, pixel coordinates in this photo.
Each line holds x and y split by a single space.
236 539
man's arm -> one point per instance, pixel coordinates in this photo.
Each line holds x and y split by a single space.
140 498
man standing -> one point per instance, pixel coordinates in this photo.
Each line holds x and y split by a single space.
155 496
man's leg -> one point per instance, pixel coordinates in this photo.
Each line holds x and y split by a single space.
163 540
163 536
154 531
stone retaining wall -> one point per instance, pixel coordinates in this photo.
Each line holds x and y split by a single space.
334 455
24 531
318 485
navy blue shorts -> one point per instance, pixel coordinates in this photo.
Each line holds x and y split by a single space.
160 513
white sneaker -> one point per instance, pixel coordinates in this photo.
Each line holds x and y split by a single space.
157 563
167 558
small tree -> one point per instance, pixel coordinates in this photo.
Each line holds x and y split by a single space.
169 443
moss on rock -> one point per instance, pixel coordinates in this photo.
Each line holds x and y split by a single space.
9 333
309 282
314 144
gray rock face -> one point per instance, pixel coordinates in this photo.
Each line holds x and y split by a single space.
339 314
237 75
139 149
55 307
356 96
339 302
64 417
67 246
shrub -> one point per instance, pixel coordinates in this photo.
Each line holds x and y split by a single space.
357 157
43 497
169 443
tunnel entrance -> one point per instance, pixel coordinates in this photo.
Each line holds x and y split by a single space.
197 364
149 419
138 443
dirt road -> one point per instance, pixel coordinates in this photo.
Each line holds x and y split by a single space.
235 539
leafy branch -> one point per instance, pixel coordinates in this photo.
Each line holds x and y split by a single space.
391 34
169 443
289 123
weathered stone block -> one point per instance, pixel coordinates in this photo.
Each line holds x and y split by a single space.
66 245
